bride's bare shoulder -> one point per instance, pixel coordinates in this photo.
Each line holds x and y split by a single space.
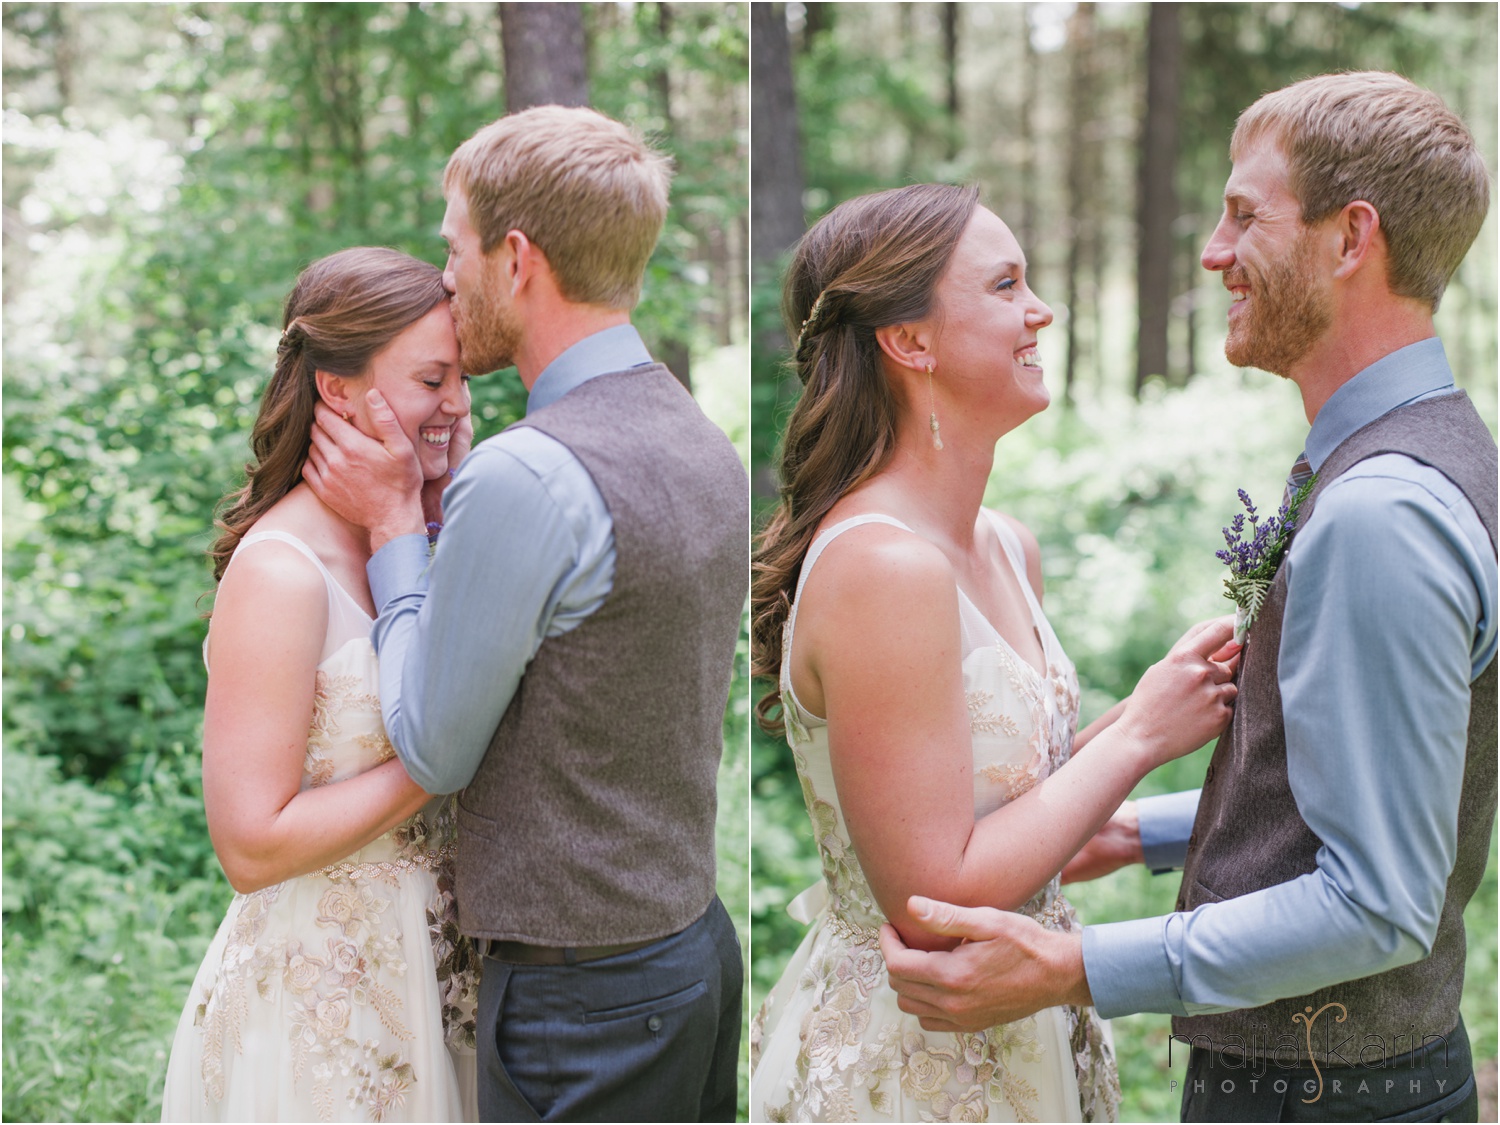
271 580
875 562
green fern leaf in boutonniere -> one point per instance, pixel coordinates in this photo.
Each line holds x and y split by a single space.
1252 562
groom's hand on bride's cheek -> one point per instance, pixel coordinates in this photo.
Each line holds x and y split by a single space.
1007 968
374 482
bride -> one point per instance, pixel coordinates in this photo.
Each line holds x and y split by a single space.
929 707
337 987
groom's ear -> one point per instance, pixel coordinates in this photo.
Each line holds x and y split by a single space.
334 391
523 261
907 345
1357 236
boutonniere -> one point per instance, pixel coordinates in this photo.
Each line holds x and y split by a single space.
1252 562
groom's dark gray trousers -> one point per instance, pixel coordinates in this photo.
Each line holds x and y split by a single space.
1433 1083
648 1035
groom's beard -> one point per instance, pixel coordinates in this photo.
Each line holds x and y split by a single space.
1287 313
488 334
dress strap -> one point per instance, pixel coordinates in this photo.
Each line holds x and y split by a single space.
1015 551
813 552
291 541
828 536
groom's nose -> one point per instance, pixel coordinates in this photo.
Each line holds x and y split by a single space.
1219 253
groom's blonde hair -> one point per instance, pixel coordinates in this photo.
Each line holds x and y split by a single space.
585 189
1378 137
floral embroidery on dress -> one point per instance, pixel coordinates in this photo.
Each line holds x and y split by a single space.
1012 780
455 955
379 743
319 992
849 895
1094 1064
988 722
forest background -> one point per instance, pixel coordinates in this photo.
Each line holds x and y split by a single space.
169 168
1100 134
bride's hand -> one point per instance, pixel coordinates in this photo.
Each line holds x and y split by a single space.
1187 697
1117 844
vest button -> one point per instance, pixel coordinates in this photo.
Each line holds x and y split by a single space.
1209 775
1192 841
1181 903
654 1023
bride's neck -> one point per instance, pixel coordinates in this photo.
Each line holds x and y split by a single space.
351 535
946 485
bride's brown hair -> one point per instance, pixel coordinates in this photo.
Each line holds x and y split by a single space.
870 262
343 310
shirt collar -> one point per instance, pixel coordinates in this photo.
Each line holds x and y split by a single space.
1408 373
612 349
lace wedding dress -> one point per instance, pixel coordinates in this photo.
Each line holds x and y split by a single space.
829 1043
346 994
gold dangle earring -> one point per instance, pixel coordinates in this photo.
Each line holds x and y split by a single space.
932 422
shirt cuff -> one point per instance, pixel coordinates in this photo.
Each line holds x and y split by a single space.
400 567
1128 969
1166 822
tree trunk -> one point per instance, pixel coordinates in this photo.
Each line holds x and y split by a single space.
950 69
776 219
546 57
60 22
1156 205
1029 75
1080 130
663 76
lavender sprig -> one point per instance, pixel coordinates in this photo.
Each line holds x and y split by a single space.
1253 561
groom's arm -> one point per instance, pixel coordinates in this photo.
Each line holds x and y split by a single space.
1376 708
526 552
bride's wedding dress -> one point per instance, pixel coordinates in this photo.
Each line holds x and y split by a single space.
346 994
830 1044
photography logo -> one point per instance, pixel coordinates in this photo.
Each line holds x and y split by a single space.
1307 1020
1277 1063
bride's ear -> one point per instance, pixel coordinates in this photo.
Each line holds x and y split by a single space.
907 345
334 391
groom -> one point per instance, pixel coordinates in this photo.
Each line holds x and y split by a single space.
565 664
1315 964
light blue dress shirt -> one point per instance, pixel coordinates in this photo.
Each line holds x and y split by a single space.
527 552
1390 613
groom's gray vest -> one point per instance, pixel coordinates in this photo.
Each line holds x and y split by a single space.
591 819
1249 834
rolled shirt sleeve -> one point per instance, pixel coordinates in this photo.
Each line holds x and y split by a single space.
1379 646
1166 822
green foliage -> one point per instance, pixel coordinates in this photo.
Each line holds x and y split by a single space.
111 898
